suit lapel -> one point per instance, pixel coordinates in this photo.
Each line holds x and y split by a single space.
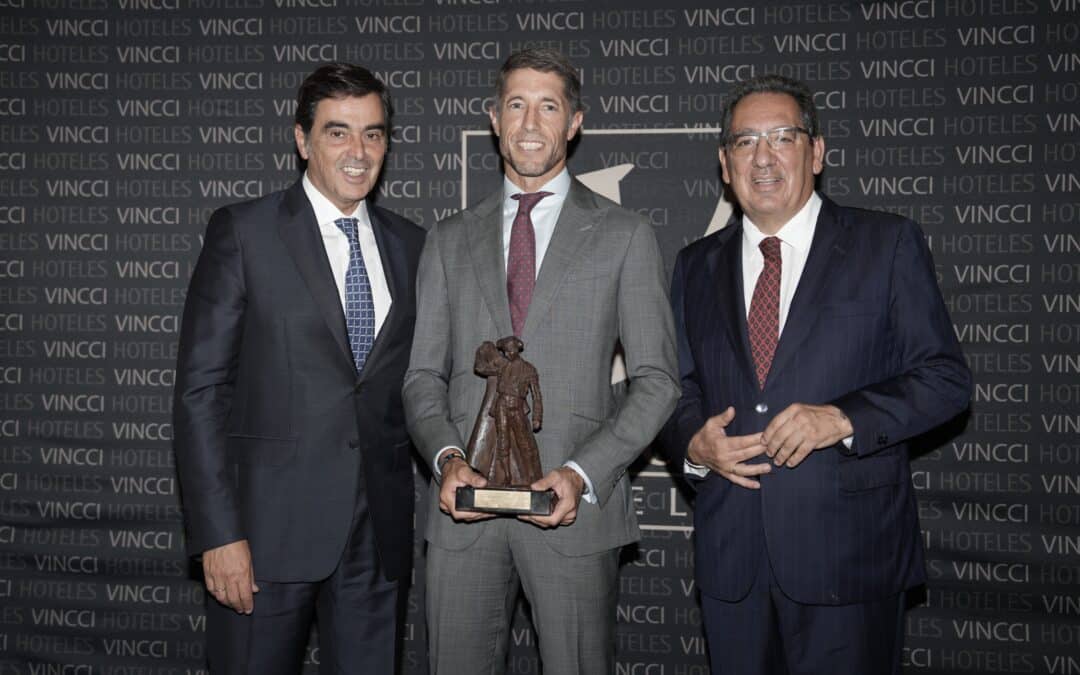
725 267
826 252
576 225
395 268
486 250
300 233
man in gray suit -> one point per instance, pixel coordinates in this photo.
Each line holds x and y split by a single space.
574 276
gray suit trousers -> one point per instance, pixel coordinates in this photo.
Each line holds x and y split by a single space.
471 595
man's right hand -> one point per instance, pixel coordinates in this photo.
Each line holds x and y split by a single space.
727 455
229 577
456 473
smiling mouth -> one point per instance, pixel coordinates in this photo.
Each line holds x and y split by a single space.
530 146
766 180
354 171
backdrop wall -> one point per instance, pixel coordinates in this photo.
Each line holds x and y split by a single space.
123 124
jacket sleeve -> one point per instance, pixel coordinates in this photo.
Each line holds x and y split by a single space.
426 387
648 339
933 383
688 417
206 370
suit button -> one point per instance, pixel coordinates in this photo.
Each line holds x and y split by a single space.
761 408
355 444
359 386
882 439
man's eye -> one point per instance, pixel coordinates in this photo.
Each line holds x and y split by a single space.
745 141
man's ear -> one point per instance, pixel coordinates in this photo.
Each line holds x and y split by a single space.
819 154
575 125
301 141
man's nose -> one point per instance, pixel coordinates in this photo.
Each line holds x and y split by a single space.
531 118
357 146
763 152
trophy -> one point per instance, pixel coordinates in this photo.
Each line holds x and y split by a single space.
502 447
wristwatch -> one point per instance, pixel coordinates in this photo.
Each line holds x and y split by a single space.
447 456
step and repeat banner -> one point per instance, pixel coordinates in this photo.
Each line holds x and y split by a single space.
124 123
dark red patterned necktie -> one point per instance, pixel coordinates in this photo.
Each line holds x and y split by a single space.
763 322
521 263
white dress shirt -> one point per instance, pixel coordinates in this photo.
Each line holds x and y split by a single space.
544 215
337 249
795 238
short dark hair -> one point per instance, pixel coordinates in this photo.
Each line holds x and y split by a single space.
337 80
771 84
546 61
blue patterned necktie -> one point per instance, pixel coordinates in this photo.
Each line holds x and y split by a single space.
359 303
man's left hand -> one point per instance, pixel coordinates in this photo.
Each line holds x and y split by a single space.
568 486
801 428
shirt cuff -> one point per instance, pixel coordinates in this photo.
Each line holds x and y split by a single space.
695 469
846 450
438 456
588 495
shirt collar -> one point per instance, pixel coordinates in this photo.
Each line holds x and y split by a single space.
559 187
797 232
325 211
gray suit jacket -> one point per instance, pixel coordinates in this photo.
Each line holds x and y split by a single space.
601 284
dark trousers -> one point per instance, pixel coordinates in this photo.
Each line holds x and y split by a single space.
355 607
768 633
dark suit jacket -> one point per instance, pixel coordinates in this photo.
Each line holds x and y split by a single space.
868 332
271 419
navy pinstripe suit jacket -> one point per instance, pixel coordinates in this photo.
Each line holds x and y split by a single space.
868 332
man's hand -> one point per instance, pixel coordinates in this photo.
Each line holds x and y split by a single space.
229 577
727 455
568 486
456 473
800 429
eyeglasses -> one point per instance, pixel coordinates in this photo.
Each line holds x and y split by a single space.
779 139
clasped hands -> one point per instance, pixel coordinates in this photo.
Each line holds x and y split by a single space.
566 483
788 439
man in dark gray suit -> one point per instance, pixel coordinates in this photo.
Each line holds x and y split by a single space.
573 275
290 436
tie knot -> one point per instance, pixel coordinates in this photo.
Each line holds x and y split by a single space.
770 248
348 226
527 200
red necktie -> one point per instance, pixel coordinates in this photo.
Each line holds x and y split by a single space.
521 263
763 322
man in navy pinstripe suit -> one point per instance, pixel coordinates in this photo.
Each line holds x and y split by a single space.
813 345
